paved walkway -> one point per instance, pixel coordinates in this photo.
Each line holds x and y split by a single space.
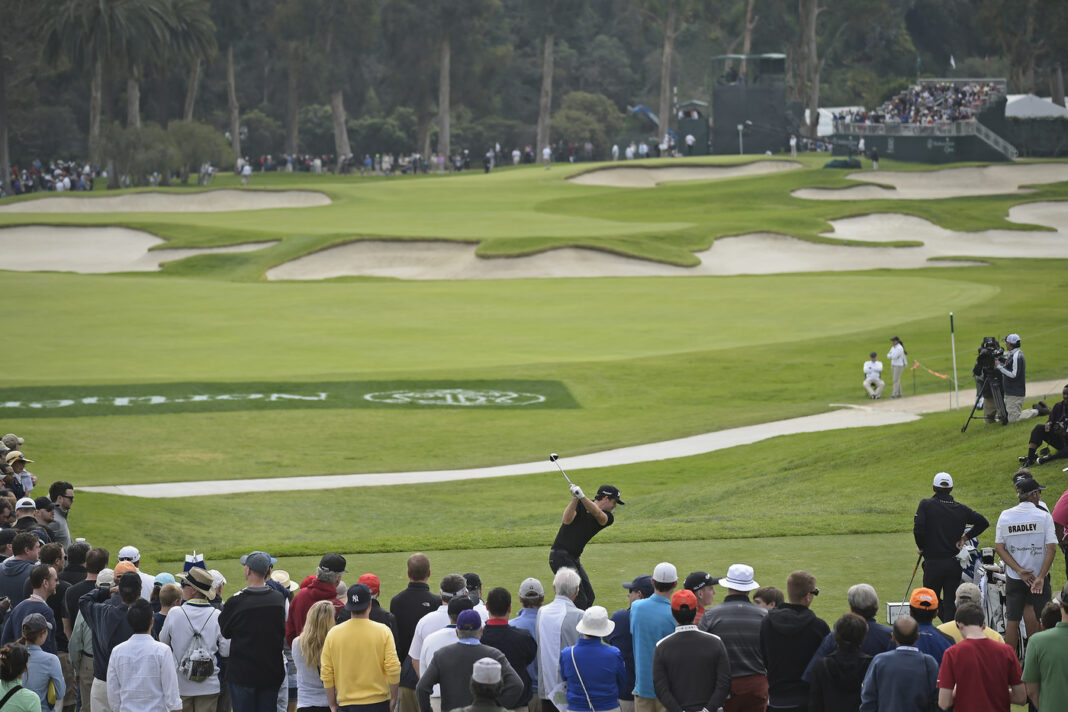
868 414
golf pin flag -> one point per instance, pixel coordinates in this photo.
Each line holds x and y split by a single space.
194 560
917 364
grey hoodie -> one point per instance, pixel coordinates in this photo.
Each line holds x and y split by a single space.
13 575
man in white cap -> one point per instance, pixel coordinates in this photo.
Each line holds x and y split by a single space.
737 622
690 667
131 554
1026 541
873 376
531 596
651 620
940 527
485 687
1013 369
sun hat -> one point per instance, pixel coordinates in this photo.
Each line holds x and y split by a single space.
943 479
665 573
15 456
200 580
595 621
740 578
486 671
282 577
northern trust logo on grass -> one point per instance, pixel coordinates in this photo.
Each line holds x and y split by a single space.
146 399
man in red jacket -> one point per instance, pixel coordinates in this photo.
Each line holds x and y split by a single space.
323 587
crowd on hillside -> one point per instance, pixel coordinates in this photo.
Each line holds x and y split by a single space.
927 103
79 634
57 176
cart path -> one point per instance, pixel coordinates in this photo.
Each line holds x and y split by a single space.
864 415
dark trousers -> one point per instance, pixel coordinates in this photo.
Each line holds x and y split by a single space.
943 577
253 699
558 559
382 706
1055 440
749 693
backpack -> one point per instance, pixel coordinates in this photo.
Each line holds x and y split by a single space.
198 664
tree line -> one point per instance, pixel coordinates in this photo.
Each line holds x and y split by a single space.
358 76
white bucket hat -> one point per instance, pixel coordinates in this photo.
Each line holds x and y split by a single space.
595 621
739 578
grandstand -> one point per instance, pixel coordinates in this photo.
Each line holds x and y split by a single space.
933 121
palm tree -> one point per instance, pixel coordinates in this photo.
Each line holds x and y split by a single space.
190 39
99 33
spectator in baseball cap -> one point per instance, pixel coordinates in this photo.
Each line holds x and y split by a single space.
923 606
703 587
321 587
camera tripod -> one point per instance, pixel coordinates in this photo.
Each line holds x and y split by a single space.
994 381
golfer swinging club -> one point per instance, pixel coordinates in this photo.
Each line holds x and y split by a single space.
581 521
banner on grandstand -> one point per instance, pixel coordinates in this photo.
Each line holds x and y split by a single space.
147 399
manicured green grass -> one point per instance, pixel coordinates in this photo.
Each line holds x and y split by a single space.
645 359
524 210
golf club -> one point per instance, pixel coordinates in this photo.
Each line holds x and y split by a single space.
914 570
553 458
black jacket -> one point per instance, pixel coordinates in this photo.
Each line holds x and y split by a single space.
254 620
836 682
407 608
939 524
520 649
789 636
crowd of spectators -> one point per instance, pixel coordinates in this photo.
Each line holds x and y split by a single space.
927 103
57 176
80 635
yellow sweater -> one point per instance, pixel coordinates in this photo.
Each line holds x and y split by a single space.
360 661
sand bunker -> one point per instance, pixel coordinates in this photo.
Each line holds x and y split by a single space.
211 201
92 250
757 253
948 183
649 177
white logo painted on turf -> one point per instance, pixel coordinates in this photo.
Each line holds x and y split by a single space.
126 401
455 397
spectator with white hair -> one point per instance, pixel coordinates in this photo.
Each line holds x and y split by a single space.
322 588
864 602
556 627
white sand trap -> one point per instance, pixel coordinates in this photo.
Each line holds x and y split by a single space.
938 242
211 201
92 250
758 253
947 183
650 177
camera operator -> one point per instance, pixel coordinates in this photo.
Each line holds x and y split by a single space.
1013 380
1052 432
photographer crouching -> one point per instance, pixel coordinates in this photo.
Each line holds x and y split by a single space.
1052 432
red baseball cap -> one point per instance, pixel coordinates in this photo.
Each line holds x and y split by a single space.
371 581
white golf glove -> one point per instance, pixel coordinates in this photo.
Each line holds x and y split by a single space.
576 492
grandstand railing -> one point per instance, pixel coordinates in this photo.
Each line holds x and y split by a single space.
967 127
